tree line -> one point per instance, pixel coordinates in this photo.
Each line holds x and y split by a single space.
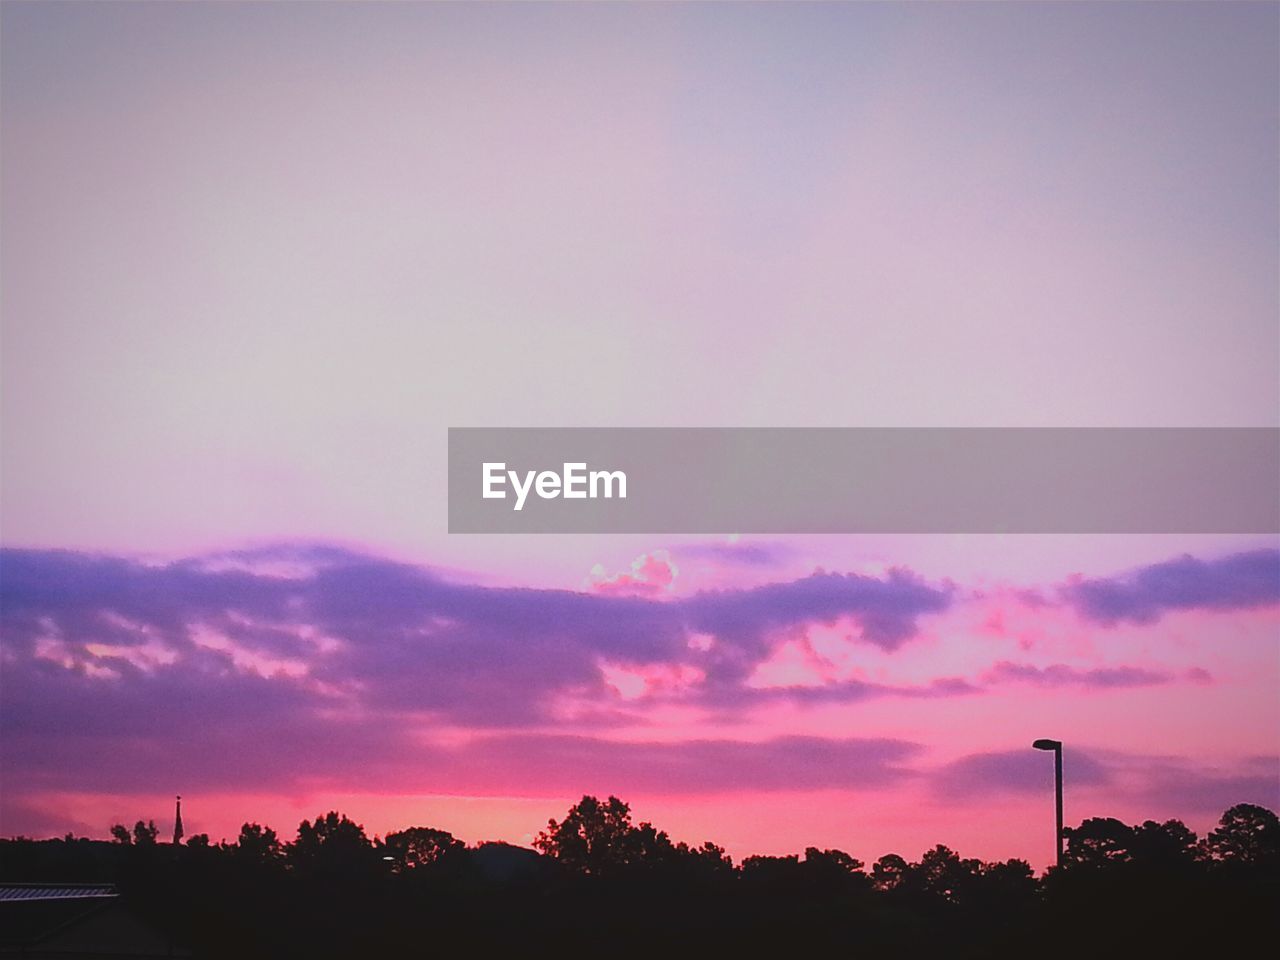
599 881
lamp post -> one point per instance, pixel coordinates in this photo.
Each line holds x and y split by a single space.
1056 747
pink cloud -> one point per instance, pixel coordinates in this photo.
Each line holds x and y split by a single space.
651 574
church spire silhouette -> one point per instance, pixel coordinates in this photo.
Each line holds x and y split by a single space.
177 823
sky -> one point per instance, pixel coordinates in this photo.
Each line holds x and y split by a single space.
256 259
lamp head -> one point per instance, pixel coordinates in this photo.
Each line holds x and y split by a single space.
1048 745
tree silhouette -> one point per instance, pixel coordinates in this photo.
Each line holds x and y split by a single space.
597 838
946 875
833 870
1246 834
1105 842
332 844
144 834
421 846
762 870
1164 846
1098 842
333 831
708 861
257 844
1010 882
1145 890
889 872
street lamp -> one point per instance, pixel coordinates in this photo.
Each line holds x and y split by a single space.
1056 747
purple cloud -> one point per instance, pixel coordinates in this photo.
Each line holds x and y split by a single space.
1240 581
1150 781
365 754
739 553
1013 771
326 667
886 609
570 763
1062 675
409 639
853 691
1211 790
309 664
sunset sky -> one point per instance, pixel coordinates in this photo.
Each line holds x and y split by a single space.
258 258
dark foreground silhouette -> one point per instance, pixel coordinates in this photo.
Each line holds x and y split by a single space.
601 884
